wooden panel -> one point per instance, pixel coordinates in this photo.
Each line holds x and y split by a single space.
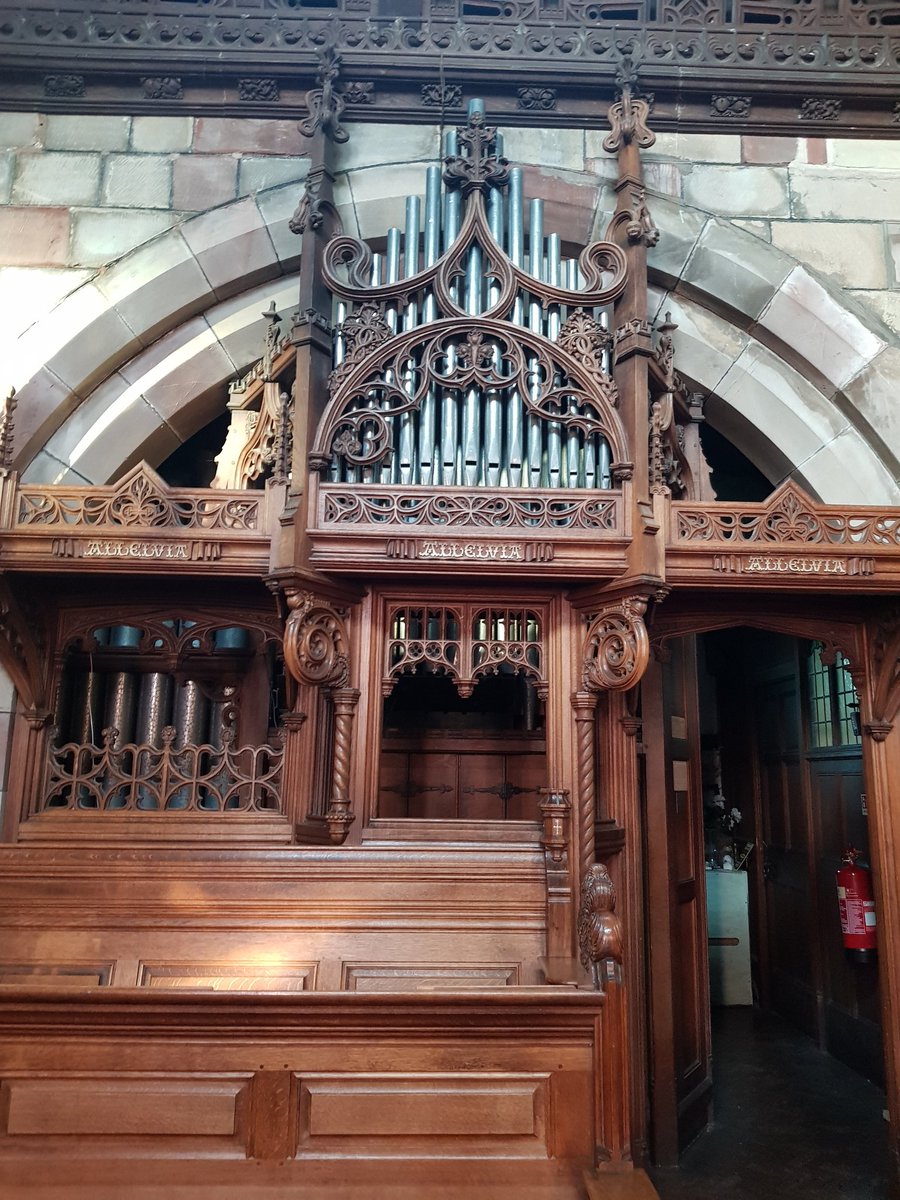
394 977
78 975
424 1106
230 977
103 1107
433 785
481 786
393 784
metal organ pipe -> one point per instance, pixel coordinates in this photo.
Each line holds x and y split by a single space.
407 465
536 322
482 436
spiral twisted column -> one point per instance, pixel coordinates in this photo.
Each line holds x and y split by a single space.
584 706
339 817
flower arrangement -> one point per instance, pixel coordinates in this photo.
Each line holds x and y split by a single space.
720 822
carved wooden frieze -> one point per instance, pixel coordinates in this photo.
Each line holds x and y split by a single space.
788 540
681 48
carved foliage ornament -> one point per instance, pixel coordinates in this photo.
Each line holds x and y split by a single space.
324 102
600 939
316 646
617 647
628 116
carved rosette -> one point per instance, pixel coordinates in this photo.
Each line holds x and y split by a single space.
617 648
316 643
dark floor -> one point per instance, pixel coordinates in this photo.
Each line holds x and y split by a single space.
790 1122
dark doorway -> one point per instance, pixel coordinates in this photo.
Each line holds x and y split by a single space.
772 791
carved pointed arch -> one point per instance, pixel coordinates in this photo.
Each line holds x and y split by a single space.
467 337
837 635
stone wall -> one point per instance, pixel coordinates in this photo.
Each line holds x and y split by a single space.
136 254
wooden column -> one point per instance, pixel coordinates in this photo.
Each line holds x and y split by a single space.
584 705
315 222
879 695
620 801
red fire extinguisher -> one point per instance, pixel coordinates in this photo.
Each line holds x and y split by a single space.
854 889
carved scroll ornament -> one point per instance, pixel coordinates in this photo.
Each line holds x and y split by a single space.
617 648
315 643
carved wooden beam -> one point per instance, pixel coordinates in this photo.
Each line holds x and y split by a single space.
807 69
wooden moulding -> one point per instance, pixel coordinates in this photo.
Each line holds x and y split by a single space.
183 1087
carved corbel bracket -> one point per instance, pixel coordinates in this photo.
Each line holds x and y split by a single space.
314 211
617 646
600 939
316 653
316 646
23 652
885 665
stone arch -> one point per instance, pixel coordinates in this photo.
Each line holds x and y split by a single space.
132 362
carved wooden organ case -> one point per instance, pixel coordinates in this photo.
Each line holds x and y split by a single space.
474 461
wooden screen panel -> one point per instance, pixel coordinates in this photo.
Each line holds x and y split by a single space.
482 779
230 977
415 1114
526 774
92 1107
393 784
55 975
433 786
403 977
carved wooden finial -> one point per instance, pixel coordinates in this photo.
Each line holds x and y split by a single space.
629 114
482 167
273 320
325 102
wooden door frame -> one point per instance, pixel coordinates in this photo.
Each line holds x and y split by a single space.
871 643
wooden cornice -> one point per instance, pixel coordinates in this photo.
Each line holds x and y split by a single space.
762 69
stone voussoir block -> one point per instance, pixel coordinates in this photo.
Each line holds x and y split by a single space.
204 181
99 236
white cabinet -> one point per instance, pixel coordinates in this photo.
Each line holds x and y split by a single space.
729 937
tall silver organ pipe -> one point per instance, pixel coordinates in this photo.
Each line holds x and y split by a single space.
121 688
480 436
535 455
